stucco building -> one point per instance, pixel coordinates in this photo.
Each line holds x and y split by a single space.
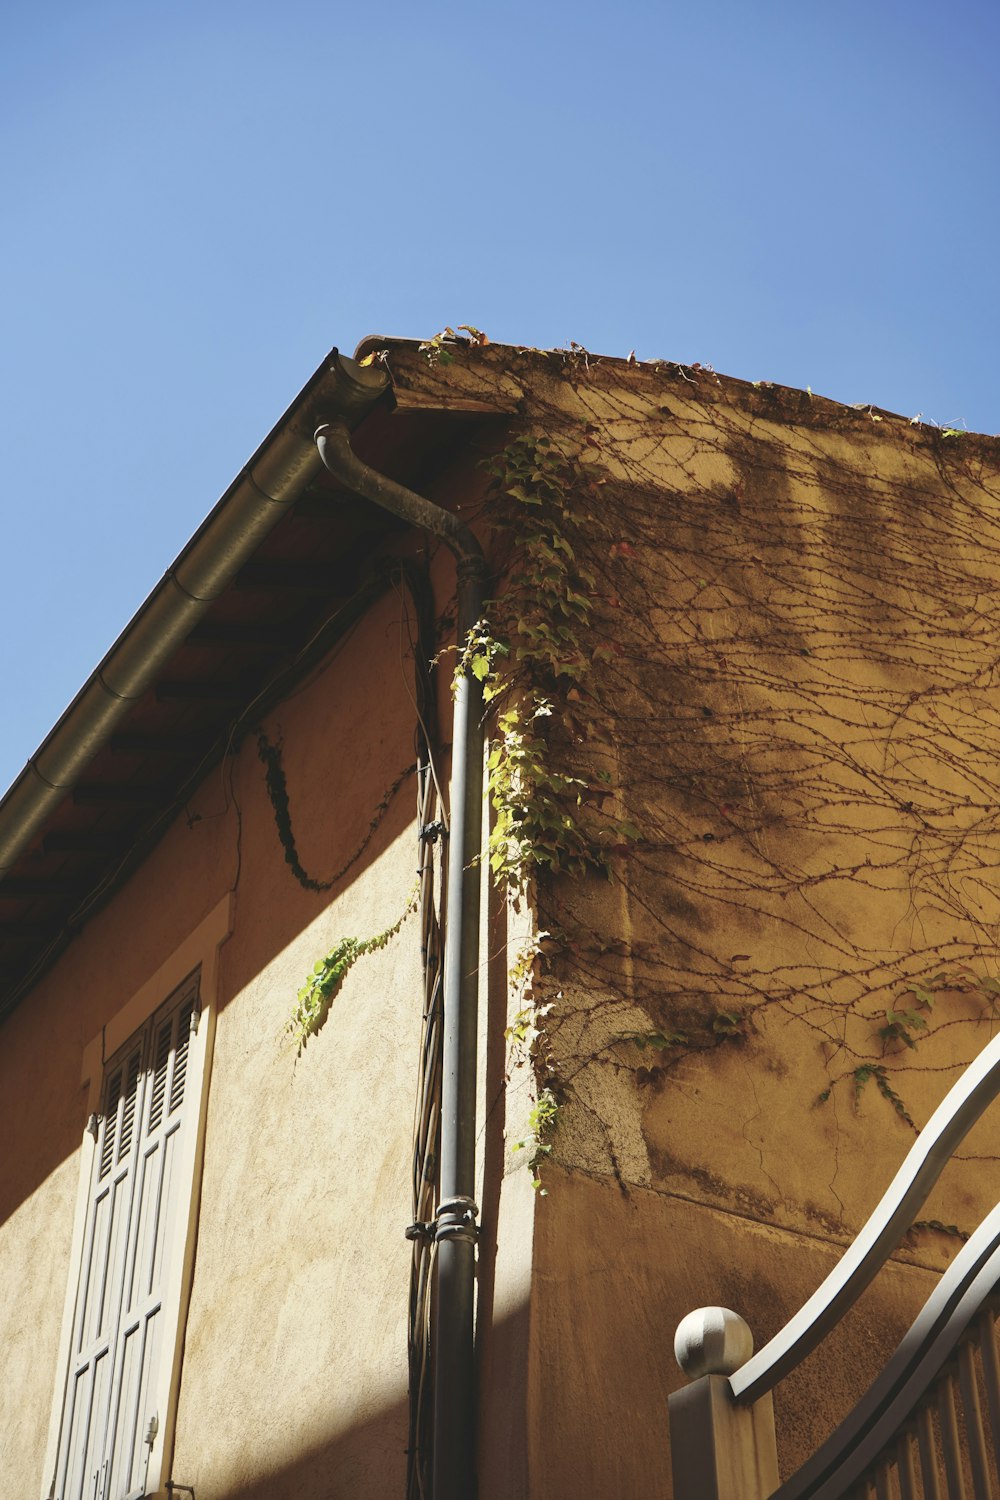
291 1052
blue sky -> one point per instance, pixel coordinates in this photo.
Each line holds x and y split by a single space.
199 199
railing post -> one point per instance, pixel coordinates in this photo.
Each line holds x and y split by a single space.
720 1450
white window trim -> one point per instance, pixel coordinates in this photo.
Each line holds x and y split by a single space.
201 948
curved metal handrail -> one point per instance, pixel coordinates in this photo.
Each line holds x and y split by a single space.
924 1349
941 1136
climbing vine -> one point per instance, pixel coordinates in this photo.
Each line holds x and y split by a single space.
743 658
277 791
555 805
534 655
312 1006
788 656
439 349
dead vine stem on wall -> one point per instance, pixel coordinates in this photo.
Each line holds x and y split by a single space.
790 667
748 660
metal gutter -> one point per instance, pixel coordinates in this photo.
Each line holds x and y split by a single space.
282 467
454 1453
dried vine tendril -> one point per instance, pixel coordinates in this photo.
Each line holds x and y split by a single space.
277 791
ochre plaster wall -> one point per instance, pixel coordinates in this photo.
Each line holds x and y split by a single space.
806 722
801 712
294 1374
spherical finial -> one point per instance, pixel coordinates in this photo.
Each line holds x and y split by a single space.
712 1341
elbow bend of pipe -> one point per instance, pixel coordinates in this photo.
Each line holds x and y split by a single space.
334 447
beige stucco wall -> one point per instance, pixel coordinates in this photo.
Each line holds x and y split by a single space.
294 1373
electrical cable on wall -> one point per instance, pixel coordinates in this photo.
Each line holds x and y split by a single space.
432 871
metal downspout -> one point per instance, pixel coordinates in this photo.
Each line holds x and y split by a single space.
454 1455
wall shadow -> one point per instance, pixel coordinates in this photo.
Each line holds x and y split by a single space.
369 1458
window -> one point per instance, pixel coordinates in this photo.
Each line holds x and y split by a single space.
112 1427
110 1418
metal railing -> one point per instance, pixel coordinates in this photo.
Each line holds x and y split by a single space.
942 1445
919 1433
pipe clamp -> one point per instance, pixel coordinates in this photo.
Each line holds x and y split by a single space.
456 1220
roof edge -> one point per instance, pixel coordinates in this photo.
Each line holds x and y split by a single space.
275 476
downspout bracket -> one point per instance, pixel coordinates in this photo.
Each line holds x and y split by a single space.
455 1219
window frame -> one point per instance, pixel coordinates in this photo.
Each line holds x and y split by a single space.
199 951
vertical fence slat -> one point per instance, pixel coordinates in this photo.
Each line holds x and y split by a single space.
949 1439
975 1437
928 1455
991 1372
904 1466
883 1488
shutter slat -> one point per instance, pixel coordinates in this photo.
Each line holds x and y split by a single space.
181 1055
159 1085
110 1125
128 1105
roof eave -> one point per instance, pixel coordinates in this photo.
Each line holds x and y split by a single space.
282 467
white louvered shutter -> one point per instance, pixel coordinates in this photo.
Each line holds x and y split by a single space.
117 1336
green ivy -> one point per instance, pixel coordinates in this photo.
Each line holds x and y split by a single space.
436 349
317 995
658 1040
533 652
541 1123
880 1077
